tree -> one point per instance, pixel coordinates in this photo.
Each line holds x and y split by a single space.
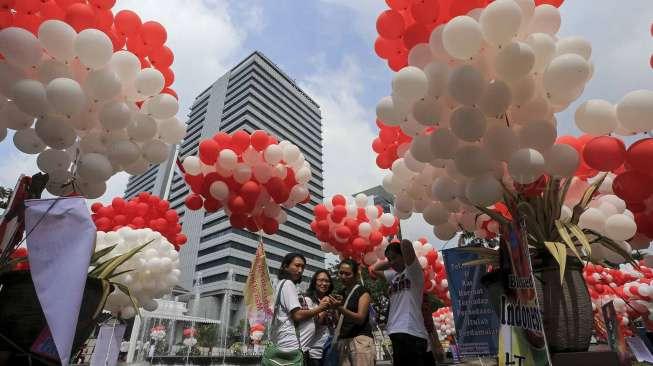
207 336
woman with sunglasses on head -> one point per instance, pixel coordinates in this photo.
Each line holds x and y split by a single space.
295 325
354 331
321 287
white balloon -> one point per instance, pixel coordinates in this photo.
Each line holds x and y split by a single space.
138 167
9 75
420 149
28 142
93 47
115 115
262 172
92 190
501 141
66 96
562 161
242 173
445 231
427 111
123 152
526 165
436 214
500 21
468 124
219 190
92 143
94 168
14 118
596 117
303 175
514 61
142 128
565 75
574 44
53 69
57 37
462 37
155 151
149 82
544 48
615 201
172 130
471 161
620 227
227 159
484 191
29 96
273 154
126 65
20 48
51 160
291 153
437 74
55 132
163 106
536 109
443 143
191 165
593 219
420 55
635 111
102 84
546 19
436 45
522 91
466 85
496 99
539 135
410 83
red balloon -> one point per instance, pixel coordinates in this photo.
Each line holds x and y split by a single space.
118 203
571 141
604 153
398 4
359 244
6 19
313 226
223 139
390 24
161 57
163 205
323 226
153 34
277 190
103 224
270 226
375 238
338 213
127 22
260 140
144 65
138 222
135 45
240 141
212 205
30 22
458 7
80 17
103 19
171 216
384 161
250 191
208 151
388 48
416 33
555 3
106 211
65 4
339 200
196 182
640 155
320 211
426 12
431 257
103 4
633 186
168 76
96 207
398 62
27 6
378 146
343 232
238 221
194 201
237 204
180 239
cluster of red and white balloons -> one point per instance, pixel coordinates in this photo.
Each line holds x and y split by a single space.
143 211
630 290
353 228
480 102
444 325
158 332
435 275
151 273
75 97
390 145
189 337
256 332
404 29
251 176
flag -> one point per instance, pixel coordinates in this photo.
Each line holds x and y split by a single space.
13 219
60 241
258 290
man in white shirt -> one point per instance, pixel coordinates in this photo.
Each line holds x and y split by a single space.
405 322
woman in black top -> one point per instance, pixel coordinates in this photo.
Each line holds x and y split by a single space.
355 341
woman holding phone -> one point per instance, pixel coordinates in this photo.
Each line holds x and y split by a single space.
354 331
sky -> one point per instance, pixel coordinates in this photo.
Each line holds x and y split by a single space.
326 46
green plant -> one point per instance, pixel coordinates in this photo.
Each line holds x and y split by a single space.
236 348
207 336
547 234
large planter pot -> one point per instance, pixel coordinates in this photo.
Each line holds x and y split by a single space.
566 308
22 318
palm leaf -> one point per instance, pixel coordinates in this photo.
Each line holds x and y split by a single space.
106 290
567 238
101 253
559 253
119 273
578 233
105 269
126 291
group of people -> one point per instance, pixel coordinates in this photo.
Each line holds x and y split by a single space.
336 328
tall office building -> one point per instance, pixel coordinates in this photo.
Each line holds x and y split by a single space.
155 180
254 95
